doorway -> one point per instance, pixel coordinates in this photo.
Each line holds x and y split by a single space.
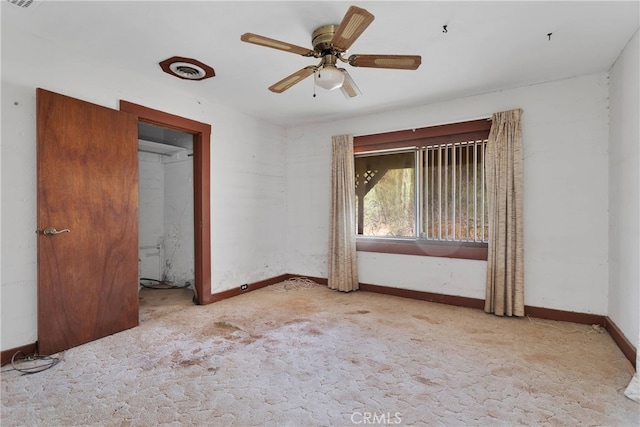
201 135
165 209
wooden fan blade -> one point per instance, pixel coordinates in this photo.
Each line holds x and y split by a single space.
400 62
275 44
349 88
291 80
355 21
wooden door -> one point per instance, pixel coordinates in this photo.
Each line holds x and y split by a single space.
87 183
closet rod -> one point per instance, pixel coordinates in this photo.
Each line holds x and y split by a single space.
153 152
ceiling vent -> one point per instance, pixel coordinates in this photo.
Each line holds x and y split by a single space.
21 3
187 68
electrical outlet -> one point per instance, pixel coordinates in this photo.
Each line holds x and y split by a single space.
244 287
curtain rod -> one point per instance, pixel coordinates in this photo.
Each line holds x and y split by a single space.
414 128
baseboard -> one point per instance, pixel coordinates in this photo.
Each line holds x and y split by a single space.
564 316
539 312
250 287
27 350
621 341
424 296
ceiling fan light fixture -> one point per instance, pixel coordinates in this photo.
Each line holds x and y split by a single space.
329 77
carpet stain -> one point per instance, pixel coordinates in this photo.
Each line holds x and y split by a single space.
427 318
359 312
505 371
491 341
314 331
529 389
302 306
250 339
177 358
190 362
540 358
477 331
424 380
226 325
295 321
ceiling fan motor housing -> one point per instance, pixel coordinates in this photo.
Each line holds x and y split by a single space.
321 39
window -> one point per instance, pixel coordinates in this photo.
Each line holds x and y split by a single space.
422 191
386 194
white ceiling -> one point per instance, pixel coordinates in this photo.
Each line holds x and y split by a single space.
488 46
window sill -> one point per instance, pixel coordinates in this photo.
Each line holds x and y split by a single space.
461 250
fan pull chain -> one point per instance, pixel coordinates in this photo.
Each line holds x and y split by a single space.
314 82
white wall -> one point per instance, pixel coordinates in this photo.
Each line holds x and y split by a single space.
178 259
247 173
624 193
565 136
150 215
166 233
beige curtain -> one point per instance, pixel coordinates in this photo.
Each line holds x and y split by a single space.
505 260
343 273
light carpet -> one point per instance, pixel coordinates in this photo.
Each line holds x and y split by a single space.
295 354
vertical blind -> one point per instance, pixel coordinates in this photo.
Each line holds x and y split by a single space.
454 202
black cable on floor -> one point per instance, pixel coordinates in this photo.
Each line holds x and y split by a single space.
159 284
28 365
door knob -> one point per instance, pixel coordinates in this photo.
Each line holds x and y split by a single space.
51 231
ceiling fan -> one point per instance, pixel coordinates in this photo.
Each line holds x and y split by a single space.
330 43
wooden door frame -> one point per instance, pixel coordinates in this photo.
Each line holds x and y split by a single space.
202 187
